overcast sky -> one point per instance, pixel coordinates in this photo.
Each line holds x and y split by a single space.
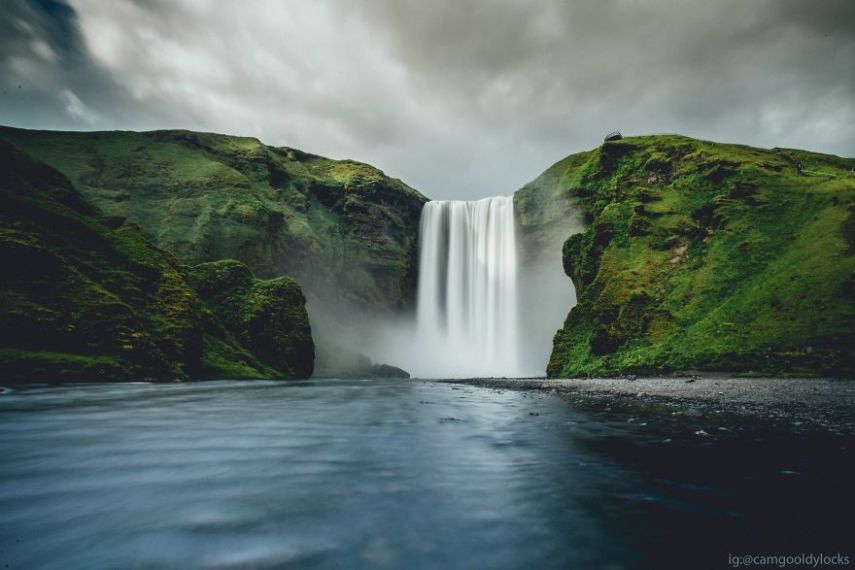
459 98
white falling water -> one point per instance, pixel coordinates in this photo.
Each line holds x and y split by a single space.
467 297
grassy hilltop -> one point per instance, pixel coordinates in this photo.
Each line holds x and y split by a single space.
705 256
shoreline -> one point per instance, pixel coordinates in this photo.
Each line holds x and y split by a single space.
819 403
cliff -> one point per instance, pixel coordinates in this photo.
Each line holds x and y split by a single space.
88 297
342 229
706 256
345 231
252 327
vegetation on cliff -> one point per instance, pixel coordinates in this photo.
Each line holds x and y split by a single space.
87 297
695 256
343 229
253 327
706 256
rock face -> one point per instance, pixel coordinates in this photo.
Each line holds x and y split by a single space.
388 371
704 256
85 297
206 197
344 363
88 297
265 318
345 231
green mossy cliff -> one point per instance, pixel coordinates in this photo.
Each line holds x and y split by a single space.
706 256
265 318
343 229
88 297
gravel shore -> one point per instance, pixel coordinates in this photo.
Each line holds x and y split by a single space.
812 402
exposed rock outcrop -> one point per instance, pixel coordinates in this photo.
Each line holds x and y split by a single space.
265 318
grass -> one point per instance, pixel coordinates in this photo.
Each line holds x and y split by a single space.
205 197
84 286
702 255
88 297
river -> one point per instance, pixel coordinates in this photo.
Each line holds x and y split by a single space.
400 474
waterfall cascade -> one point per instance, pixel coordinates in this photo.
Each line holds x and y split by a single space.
467 296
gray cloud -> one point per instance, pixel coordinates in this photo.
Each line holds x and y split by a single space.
460 99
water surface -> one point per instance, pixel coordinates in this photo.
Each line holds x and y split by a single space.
398 474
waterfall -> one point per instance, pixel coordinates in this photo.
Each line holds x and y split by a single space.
467 297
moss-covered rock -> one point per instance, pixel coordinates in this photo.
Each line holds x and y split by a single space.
265 318
343 229
87 297
705 256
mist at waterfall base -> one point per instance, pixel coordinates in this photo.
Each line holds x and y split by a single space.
484 307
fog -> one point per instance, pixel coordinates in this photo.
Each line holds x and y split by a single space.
546 294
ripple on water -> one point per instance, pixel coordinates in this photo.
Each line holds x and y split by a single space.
343 474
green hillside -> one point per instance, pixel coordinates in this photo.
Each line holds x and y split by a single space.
695 256
343 229
706 256
87 297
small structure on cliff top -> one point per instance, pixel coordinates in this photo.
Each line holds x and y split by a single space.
613 136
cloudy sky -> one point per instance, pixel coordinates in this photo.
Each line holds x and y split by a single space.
459 98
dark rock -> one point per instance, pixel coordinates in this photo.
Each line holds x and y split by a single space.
341 362
640 224
721 170
267 318
603 234
647 196
387 371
